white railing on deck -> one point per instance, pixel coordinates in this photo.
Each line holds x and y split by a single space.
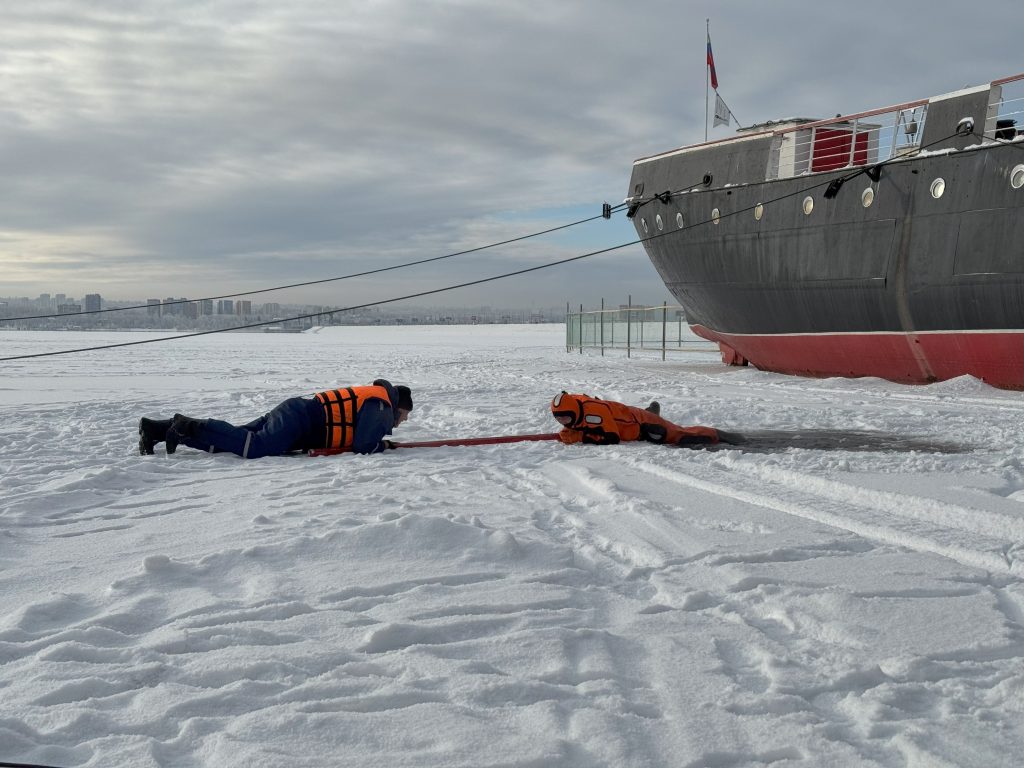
1009 105
869 137
854 140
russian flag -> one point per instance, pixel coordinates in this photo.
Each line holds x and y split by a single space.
711 65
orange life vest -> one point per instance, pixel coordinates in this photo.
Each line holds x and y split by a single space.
605 422
340 409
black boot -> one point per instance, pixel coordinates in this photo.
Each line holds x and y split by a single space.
151 432
181 426
654 407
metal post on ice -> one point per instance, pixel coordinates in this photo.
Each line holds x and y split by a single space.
664 327
629 324
581 329
602 326
568 328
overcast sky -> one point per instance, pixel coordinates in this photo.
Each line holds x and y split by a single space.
181 148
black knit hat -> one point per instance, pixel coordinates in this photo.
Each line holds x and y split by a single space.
404 397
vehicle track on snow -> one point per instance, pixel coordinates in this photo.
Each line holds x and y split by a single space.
974 537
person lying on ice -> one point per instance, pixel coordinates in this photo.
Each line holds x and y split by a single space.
353 418
589 419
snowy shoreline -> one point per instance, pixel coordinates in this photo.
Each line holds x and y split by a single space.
833 603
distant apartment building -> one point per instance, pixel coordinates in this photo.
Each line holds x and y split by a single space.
93 302
60 298
68 309
225 307
171 307
206 306
243 307
191 310
153 307
272 308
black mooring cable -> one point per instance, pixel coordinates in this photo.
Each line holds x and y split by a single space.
315 282
804 190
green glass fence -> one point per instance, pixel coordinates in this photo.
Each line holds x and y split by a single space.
661 329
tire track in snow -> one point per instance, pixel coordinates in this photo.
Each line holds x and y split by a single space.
924 525
616 534
783 659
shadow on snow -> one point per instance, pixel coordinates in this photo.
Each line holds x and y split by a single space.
775 441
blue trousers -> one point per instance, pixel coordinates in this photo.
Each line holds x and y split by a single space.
296 424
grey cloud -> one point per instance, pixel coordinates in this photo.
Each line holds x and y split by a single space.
232 145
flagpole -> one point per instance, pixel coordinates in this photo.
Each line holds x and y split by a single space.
733 116
707 75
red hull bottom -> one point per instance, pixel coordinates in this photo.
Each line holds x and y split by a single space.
996 357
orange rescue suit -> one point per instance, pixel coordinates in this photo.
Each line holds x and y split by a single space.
606 422
341 406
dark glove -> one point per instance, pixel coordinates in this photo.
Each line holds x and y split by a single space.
389 445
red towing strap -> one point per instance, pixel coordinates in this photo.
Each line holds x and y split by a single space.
453 441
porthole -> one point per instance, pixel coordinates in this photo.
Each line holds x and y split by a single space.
758 211
659 222
716 215
1017 177
937 188
679 220
643 223
808 205
867 197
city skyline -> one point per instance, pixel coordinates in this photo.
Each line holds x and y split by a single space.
172 305
57 310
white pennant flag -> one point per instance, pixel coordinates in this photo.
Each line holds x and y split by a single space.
722 112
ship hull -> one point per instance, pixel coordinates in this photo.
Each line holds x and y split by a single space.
911 286
994 357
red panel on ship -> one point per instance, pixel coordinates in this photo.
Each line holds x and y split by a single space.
832 149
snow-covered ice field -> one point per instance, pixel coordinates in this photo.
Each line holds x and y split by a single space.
853 600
